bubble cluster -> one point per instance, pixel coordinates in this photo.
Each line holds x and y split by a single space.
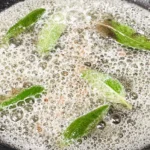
37 122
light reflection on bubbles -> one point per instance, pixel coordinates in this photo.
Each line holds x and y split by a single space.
16 114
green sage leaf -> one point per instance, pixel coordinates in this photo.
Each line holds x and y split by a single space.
32 91
24 23
50 33
123 34
110 88
84 124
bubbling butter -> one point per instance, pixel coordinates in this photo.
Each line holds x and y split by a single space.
38 124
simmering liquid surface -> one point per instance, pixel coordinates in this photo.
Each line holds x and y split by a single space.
37 124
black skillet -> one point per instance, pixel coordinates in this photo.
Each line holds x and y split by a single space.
4 4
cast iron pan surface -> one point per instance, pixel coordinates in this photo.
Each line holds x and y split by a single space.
7 3
143 3
4 4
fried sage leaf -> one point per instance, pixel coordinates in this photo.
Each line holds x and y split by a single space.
23 24
84 124
32 91
109 87
123 34
50 33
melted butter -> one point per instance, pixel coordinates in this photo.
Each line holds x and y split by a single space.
39 125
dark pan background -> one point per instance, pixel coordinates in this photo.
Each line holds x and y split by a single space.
4 4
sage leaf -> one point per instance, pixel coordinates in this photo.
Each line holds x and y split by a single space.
112 90
32 91
50 33
125 35
84 124
23 24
